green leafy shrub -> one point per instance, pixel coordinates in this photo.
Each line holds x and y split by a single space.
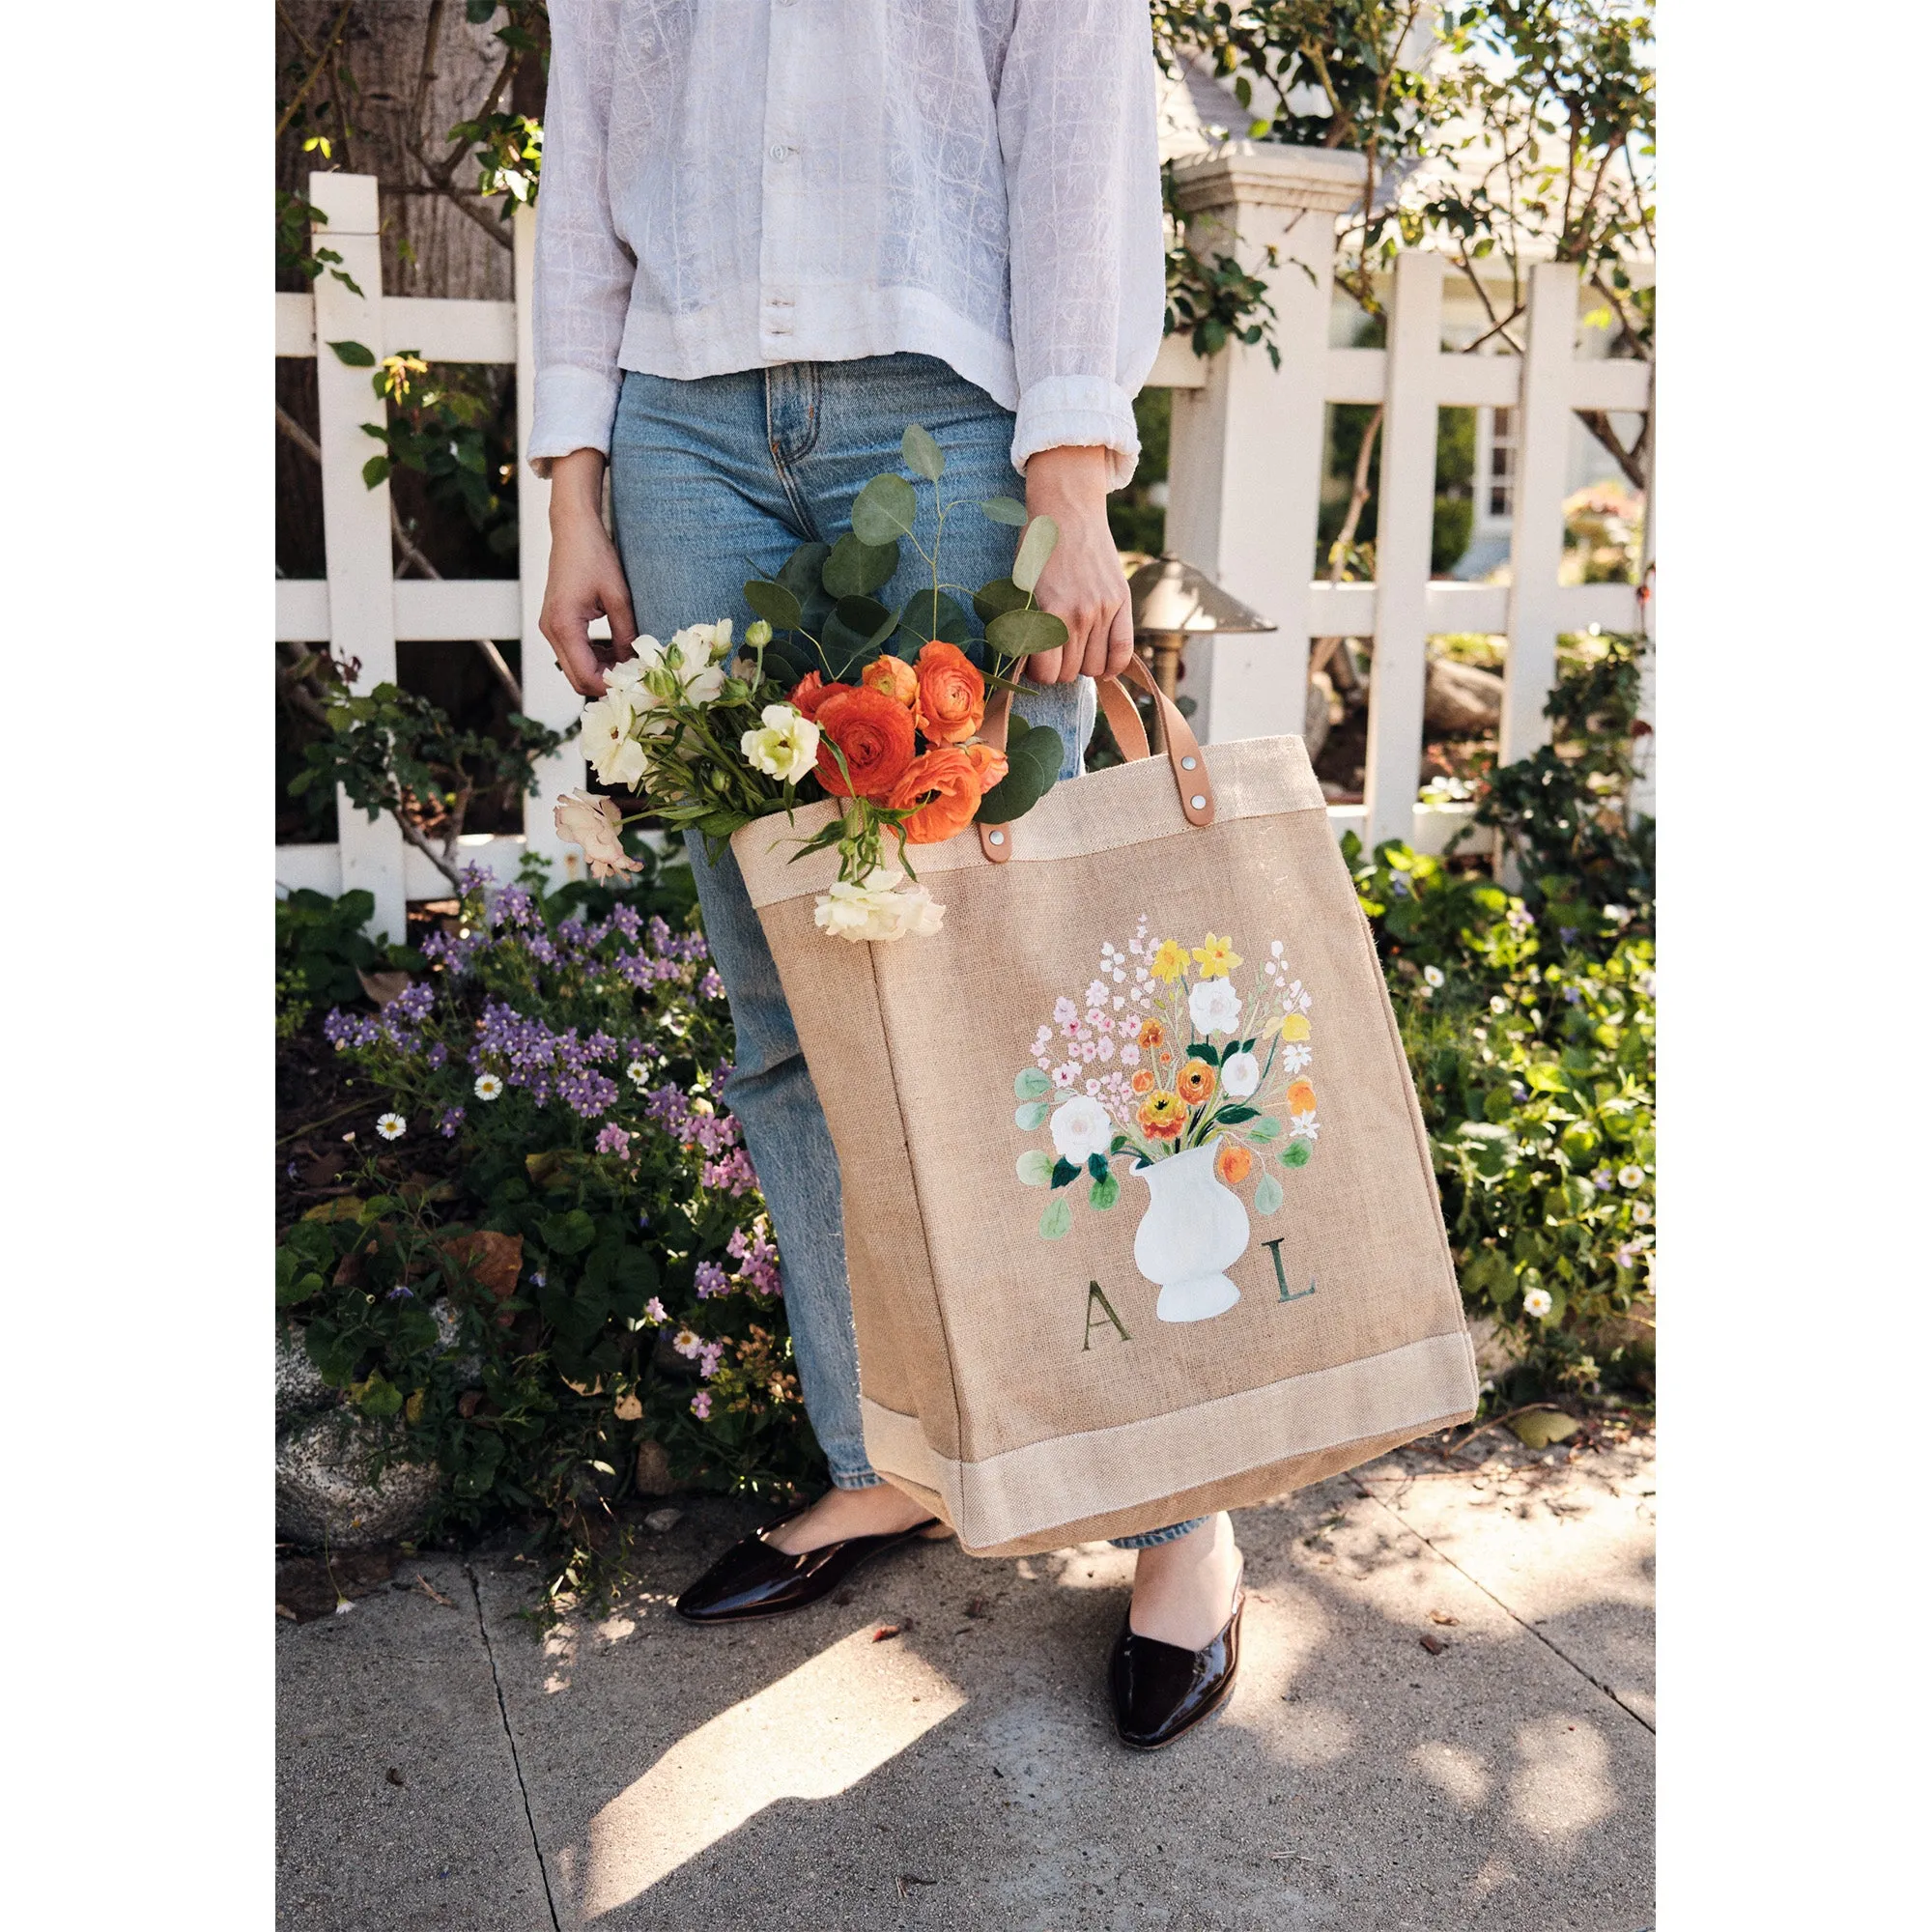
553 1256
322 953
1529 1019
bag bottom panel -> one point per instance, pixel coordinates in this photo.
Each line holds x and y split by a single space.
1224 1454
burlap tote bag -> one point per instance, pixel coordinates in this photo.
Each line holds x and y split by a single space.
1139 1212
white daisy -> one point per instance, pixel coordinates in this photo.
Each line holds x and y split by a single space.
637 1073
488 1085
1303 1126
1629 1177
1433 976
1536 1302
390 1126
1640 1211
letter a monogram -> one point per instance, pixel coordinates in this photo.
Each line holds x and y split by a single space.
1093 1294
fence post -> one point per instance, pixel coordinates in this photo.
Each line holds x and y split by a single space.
1244 466
1642 801
548 696
1405 528
356 519
1536 531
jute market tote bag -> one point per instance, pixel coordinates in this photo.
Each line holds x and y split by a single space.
1139 1211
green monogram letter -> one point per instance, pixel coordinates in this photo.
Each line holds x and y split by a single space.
1093 1294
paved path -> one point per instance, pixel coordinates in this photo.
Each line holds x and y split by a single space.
442 1768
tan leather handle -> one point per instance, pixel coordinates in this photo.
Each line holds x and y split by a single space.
1183 749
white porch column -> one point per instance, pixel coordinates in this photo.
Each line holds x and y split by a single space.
1245 463
547 696
354 518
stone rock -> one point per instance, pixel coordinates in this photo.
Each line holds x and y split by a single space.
654 1470
660 1521
1315 715
468 1369
1461 699
299 1389
324 1493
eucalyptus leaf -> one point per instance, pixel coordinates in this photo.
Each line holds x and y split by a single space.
1104 1192
1269 1195
1019 634
1296 1153
1031 1116
922 456
1064 1173
774 603
1005 510
803 569
925 617
854 568
1031 1084
994 599
883 511
1057 1219
1036 547
1034 1168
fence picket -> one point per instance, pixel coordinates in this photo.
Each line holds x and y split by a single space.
1405 521
356 519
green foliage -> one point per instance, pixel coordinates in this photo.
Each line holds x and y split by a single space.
523 1290
320 947
392 750
1529 1020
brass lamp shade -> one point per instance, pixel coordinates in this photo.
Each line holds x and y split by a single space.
1172 601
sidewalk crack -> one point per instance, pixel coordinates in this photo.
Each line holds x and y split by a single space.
510 1736
1548 1643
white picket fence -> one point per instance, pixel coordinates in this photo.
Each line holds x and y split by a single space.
1244 477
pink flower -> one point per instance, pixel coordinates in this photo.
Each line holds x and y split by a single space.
1063 1076
708 1359
654 1311
596 824
1064 1013
1107 1049
701 1404
1130 1055
613 1140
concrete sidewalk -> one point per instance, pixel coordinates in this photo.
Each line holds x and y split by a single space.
442 1768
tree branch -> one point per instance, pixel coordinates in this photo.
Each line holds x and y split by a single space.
315 71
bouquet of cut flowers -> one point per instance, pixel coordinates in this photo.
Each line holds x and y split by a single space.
834 697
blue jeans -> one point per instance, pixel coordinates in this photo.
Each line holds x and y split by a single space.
720 479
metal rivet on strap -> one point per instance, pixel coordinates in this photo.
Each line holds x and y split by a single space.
1188 764
1000 838
1199 803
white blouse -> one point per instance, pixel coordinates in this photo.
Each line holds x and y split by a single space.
731 184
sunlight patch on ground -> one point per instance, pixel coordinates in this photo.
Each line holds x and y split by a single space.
811 1735
1563 1784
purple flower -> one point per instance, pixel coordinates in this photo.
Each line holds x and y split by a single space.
712 1280
756 1257
711 986
614 1140
452 1119
701 1404
708 1359
399 1294
734 1172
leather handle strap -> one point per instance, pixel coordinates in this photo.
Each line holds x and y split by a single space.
1183 750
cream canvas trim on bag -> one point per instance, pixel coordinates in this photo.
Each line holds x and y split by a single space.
1066 1477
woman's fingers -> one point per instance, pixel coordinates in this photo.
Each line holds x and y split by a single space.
1044 666
1119 646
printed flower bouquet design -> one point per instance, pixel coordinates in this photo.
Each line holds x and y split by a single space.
1202 1087
833 695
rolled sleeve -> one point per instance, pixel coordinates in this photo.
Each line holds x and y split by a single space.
1078 411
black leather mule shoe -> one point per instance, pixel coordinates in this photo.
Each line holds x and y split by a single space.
756 1579
1160 1689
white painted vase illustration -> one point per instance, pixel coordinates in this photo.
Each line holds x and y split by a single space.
1193 1229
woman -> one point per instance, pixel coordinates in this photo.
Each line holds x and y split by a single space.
772 233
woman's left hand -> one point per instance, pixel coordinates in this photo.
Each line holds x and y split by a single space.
1083 583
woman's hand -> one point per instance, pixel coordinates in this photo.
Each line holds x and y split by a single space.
1083 583
585 579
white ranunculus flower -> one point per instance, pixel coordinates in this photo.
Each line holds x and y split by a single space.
1082 1126
787 748
883 906
607 721
1241 1075
691 654
1214 1006
627 768
585 820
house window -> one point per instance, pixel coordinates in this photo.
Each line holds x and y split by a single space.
1501 480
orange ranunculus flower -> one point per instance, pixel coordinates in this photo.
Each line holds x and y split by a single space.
1162 1115
874 734
1142 1081
952 700
811 691
893 677
1302 1098
943 788
989 763
1233 1163
1196 1082
1153 1035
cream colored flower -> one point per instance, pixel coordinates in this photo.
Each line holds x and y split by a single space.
585 820
1082 1126
609 740
1214 1006
1241 1075
883 906
788 746
693 655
